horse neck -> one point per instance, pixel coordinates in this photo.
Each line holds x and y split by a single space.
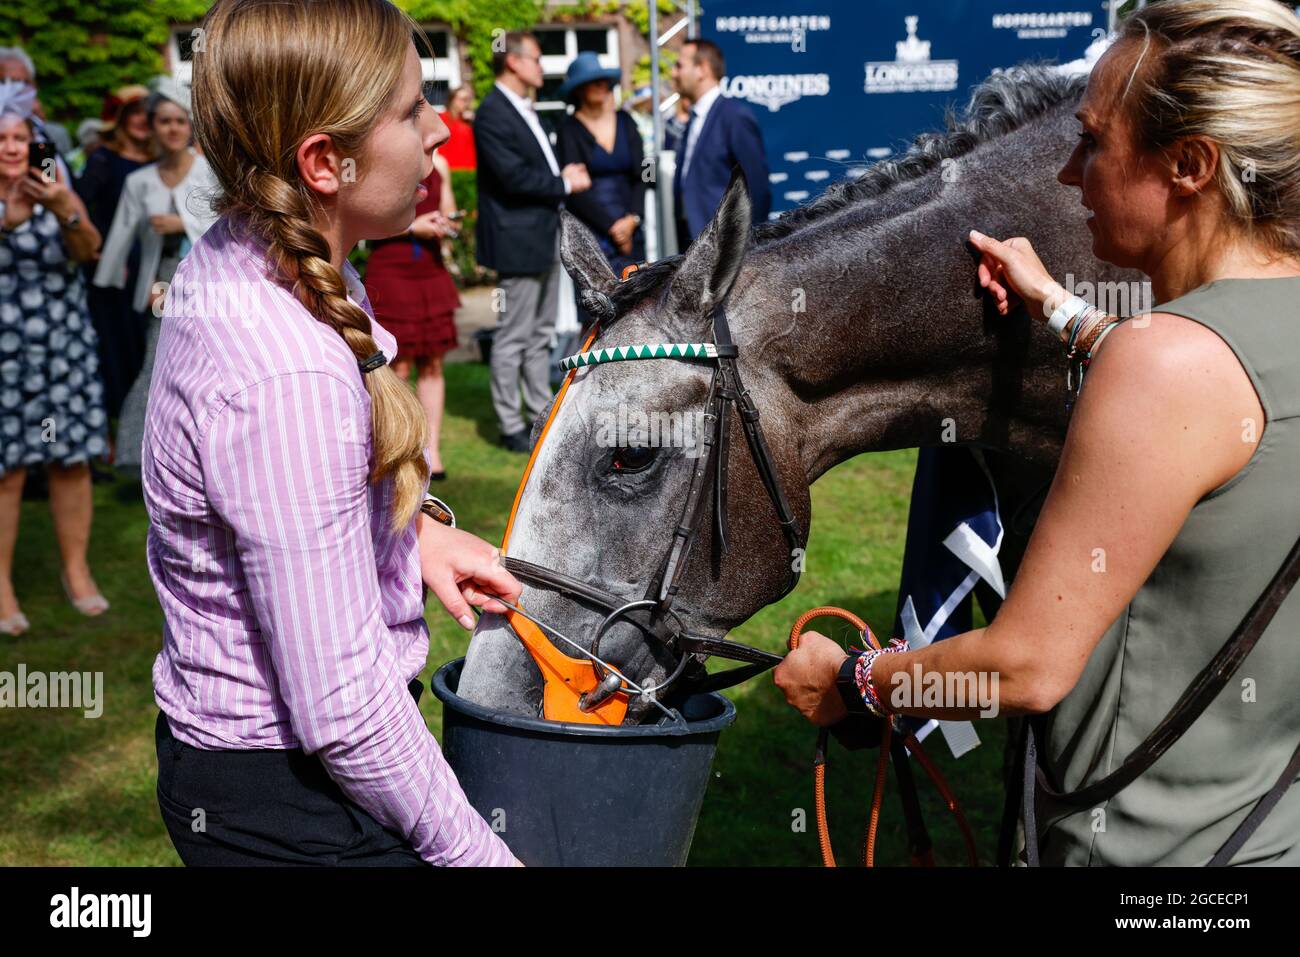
874 334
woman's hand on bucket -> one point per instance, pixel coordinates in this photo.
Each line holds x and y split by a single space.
807 679
1011 271
463 570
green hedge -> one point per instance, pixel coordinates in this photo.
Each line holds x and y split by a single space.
474 22
464 187
85 49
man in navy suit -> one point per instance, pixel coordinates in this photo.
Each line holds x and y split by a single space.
722 132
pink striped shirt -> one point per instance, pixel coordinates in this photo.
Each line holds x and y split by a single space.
294 613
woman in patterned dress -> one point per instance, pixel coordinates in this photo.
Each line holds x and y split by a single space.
51 398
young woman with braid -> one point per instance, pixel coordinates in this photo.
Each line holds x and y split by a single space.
1174 503
285 467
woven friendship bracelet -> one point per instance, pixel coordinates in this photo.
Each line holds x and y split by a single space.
862 675
1080 357
1071 333
1086 332
1089 339
649 350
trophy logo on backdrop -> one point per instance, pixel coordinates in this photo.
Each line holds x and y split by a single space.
911 70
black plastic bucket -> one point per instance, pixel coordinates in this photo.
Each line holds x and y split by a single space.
581 794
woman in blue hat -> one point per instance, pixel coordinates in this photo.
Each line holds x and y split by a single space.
606 139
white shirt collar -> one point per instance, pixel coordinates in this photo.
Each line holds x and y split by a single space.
702 107
521 103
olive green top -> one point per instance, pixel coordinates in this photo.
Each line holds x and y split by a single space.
1234 540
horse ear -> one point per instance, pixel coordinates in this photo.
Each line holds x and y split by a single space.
582 257
713 261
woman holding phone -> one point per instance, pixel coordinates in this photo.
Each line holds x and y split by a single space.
285 467
51 399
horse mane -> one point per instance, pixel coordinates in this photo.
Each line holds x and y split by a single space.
1002 103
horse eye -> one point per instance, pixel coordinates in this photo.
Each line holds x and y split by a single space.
632 459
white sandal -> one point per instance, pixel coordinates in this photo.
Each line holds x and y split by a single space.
90 606
14 625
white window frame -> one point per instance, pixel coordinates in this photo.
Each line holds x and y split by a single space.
182 70
445 70
431 69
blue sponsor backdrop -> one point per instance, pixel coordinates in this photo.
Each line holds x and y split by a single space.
838 84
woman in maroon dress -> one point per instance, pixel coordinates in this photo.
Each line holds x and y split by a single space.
415 298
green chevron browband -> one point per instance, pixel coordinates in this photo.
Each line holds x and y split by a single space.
649 350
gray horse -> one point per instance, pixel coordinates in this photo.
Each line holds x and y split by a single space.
861 327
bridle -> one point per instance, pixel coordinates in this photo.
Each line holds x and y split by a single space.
588 690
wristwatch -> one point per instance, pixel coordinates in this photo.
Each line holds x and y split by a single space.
438 510
847 684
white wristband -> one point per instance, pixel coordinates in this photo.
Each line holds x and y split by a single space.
1065 312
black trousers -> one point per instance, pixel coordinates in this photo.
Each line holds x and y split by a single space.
266 808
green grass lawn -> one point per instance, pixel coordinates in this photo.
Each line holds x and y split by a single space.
78 791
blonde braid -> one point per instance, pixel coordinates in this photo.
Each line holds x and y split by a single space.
299 254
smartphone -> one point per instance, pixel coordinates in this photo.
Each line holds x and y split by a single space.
41 155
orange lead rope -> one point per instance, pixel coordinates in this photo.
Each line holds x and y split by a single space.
882 764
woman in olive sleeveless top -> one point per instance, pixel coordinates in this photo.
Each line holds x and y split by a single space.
1174 503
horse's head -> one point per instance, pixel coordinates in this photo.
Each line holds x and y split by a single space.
609 484
860 327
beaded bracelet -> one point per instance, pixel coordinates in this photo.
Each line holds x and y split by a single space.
862 675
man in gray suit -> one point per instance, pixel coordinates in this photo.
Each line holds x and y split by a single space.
520 190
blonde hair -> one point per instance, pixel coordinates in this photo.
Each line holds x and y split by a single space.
272 73
1228 70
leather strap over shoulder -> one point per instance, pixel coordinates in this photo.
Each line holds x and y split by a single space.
1204 688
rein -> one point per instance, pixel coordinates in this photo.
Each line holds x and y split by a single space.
895 743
